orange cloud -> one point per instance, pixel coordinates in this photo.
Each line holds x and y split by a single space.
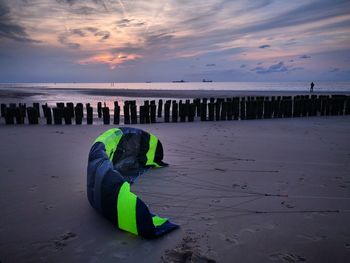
112 60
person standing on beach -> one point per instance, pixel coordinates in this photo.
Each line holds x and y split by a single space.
312 87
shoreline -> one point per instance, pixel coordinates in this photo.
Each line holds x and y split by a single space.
155 93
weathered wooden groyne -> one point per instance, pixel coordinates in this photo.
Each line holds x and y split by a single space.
200 109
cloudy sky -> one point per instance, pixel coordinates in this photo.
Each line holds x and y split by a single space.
137 41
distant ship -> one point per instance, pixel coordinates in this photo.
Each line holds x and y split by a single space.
206 80
178 81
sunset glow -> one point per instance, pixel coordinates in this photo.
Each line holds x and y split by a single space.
140 40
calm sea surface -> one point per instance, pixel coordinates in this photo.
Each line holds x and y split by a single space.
237 86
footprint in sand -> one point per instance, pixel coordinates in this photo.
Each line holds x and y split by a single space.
48 207
55 244
61 242
286 257
188 250
33 188
287 205
230 240
312 238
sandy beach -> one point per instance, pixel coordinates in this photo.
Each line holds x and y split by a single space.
247 191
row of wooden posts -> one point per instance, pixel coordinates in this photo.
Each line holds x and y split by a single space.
236 108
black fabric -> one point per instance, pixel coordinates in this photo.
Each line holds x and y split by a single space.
144 220
109 195
126 156
158 157
131 153
96 156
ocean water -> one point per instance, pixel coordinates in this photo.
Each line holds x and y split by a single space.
68 92
236 86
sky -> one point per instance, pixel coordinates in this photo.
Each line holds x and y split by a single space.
160 41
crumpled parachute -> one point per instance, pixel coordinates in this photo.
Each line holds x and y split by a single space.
117 157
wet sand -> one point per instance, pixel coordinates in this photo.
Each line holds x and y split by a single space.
242 191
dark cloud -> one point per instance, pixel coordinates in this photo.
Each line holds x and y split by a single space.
210 65
9 28
103 34
128 49
81 32
91 29
305 56
64 41
242 66
264 46
72 2
82 7
307 13
129 23
279 67
162 38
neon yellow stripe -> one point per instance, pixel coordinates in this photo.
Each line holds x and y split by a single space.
158 221
110 139
153 141
127 209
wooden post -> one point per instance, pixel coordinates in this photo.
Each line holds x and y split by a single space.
142 115
153 109
79 113
223 112
44 107
70 106
106 116
89 114
235 108
217 109
182 112
211 106
204 110
23 109
248 108
147 112
126 108
37 107
57 115
10 115
99 109
242 109
133 111
48 115
191 112
67 116
160 108
174 112
32 115
229 109
3 109
267 109
167 111
19 116
197 102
